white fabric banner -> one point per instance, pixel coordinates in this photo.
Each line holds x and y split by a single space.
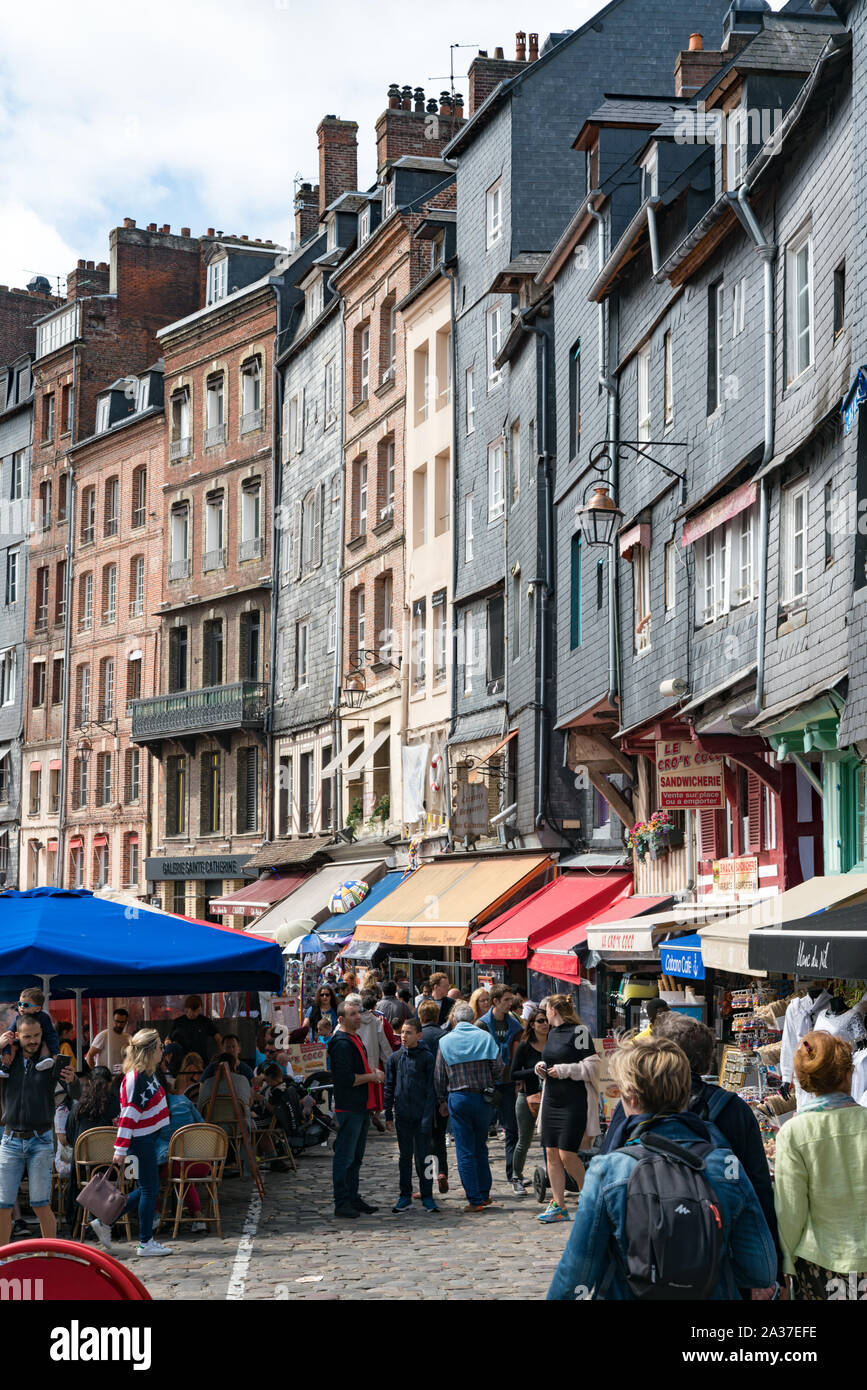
415 764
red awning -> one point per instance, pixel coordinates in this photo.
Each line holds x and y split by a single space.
255 898
566 904
99 841
76 842
52 845
35 767
552 953
132 837
55 765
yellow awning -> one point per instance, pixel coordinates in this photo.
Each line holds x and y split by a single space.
441 903
725 944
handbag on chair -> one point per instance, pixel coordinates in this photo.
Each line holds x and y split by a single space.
103 1197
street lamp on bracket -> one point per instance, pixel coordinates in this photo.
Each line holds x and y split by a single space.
354 688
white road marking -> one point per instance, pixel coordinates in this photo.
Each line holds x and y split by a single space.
241 1266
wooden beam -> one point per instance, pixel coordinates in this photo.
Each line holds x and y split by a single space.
615 799
622 761
740 751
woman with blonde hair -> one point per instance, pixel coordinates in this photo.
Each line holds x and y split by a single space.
480 1002
190 1075
144 1112
820 1176
570 1099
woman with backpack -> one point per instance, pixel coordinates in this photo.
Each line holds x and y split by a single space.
669 1216
820 1176
570 1100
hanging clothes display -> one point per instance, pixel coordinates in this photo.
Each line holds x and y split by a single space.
800 1018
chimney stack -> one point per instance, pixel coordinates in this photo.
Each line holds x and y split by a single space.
695 66
338 159
486 73
520 47
407 125
306 213
534 47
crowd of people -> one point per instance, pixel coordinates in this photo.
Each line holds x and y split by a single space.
676 1199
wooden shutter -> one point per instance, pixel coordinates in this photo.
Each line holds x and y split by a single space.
318 511
754 813
172 824
296 540
707 821
248 787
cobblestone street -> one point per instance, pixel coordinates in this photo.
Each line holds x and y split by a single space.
291 1247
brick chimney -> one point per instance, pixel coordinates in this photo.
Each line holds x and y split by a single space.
411 125
18 309
695 66
485 73
86 279
338 159
306 213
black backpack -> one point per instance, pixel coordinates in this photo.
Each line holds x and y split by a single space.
673 1221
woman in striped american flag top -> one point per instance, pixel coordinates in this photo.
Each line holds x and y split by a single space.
144 1112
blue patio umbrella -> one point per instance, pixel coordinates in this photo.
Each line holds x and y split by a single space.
309 945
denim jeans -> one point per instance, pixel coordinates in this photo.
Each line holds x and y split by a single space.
413 1142
526 1126
35 1156
438 1142
506 1111
352 1128
471 1116
143 1198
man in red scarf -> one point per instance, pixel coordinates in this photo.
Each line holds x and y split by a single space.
355 1090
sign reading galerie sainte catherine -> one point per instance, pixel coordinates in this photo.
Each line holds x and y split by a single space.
688 778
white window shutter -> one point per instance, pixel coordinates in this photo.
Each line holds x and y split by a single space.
297 541
317 533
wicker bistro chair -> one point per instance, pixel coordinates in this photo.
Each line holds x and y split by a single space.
192 1148
222 1112
95 1149
280 1148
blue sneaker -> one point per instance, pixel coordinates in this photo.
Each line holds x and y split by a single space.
402 1204
553 1213
429 1204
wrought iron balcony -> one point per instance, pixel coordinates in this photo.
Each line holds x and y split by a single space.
179 448
215 707
214 560
215 434
251 420
251 550
179 569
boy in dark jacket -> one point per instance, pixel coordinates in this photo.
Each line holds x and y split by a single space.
409 1108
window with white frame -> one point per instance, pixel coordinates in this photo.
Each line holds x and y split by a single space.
739 295
180 534
313 300
215 533
470 396
8 676
650 174
726 567
495 342
715 308
302 654
745 578
670 576
388 205
668 379
644 393
311 529
737 146
496 479
330 398
57 332
364 362
362 497
799 305
795 500
641 598
16 489
468 528
331 631
419 644
142 393
494 203
469 653
13 566
364 225
103 411
214 402
218 280
251 511
300 412
251 395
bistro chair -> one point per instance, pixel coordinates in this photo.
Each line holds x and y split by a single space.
222 1112
197 1159
95 1149
280 1148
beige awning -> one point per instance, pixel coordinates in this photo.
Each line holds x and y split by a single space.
311 901
725 944
441 903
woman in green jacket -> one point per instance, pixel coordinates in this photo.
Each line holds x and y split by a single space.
820 1177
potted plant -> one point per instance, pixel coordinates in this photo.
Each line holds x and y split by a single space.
380 812
638 839
354 816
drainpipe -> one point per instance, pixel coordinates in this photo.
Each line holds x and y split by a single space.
338 596
67 631
455 548
276 494
609 385
543 464
767 250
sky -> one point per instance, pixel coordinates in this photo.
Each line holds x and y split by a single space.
203 114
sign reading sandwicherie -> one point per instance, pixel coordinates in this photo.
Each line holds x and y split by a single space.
688 778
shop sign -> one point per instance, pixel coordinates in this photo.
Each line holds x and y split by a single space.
471 810
688 778
684 962
305 1058
736 875
621 942
605 1049
225 866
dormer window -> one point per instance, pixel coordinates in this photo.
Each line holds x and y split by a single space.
650 174
331 234
103 409
592 167
314 300
737 150
388 207
494 213
364 225
142 393
437 250
218 279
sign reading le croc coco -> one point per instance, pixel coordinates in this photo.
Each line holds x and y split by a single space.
688 778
